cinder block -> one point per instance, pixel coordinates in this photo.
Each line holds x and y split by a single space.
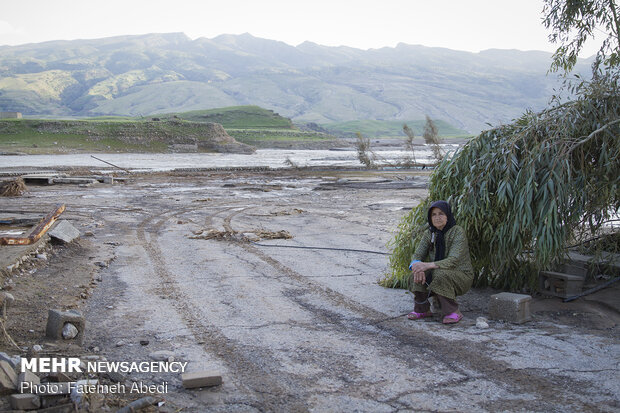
511 307
560 284
25 401
201 379
64 231
57 319
8 378
27 377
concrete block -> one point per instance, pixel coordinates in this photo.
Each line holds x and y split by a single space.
560 284
25 401
511 307
8 378
27 377
64 232
201 379
57 319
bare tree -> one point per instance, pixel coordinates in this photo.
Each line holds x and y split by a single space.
431 137
409 160
364 153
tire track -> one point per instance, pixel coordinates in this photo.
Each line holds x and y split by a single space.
248 376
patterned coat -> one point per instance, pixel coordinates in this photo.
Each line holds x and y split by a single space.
455 273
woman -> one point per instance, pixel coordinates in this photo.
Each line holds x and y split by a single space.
441 266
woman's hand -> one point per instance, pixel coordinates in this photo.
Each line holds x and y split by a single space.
418 270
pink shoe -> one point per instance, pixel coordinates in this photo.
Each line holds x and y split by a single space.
452 318
418 316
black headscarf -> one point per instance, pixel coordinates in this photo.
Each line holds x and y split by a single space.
437 235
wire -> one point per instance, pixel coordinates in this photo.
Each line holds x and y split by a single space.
320 248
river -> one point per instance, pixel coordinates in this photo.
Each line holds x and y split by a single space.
273 158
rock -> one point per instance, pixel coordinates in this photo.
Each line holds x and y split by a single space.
8 378
162 355
144 342
6 298
11 360
69 331
42 256
120 343
25 401
481 322
37 348
101 264
89 234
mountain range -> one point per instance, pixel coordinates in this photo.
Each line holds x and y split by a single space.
158 73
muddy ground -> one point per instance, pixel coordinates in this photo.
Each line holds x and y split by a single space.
185 266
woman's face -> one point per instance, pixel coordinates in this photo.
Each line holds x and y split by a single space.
438 218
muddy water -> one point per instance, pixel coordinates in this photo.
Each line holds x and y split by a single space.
274 158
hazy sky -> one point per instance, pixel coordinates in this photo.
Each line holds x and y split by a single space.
470 25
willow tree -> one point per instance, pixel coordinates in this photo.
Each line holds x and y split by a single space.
526 190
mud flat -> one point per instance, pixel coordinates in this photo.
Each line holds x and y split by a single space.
194 267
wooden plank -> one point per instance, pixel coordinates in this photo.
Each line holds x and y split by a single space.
38 231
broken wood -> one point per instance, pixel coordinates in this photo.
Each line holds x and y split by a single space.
38 231
126 170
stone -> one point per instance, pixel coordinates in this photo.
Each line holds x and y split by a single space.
201 379
8 378
25 401
37 348
511 307
162 355
64 232
7 298
69 331
42 256
27 377
11 360
57 319
482 323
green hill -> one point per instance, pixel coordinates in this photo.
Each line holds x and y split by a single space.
114 135
236 117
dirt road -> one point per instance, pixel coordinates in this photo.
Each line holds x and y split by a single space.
301 324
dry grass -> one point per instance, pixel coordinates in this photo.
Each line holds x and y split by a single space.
16 187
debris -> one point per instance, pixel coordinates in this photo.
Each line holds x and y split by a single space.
201 379
237 236
15 187
138 405
37 231
592 290
13 361
8 378
162 355
37 348
64 232
25 401
57 319
27 377
111 164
